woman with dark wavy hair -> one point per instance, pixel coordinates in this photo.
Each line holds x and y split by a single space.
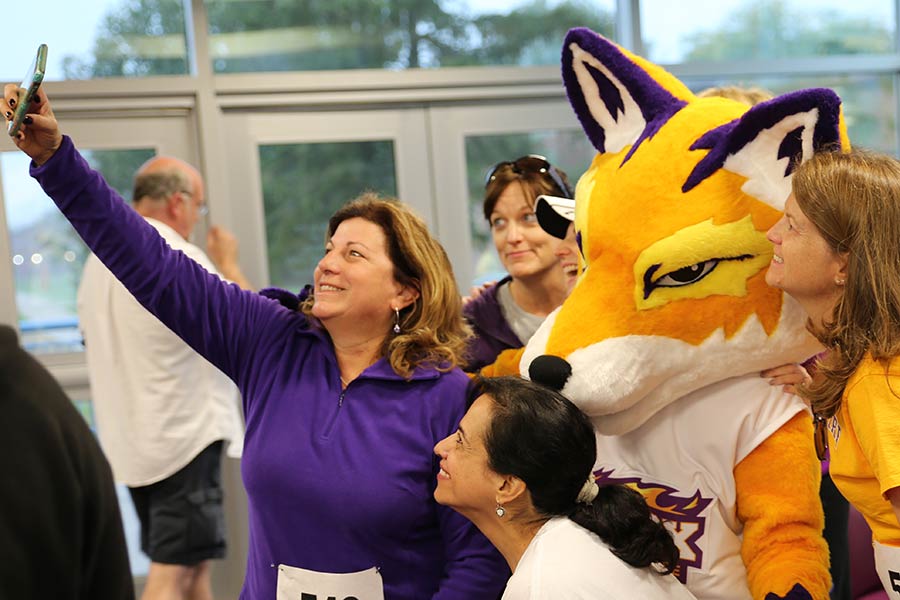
520 468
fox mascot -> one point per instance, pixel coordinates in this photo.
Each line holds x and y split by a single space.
662 339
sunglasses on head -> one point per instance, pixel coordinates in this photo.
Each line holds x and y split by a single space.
820 436
531 163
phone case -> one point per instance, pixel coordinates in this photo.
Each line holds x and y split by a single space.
30 85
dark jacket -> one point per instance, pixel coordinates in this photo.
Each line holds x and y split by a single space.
493 334
61 531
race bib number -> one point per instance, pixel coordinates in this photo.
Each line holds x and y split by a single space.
887 563
301 584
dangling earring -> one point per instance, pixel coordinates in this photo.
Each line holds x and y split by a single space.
396 320
501 512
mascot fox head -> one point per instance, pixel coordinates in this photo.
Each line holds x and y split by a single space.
671 219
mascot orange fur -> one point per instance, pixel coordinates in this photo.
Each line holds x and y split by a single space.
663 337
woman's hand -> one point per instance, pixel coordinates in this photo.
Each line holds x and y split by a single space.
477 291
222 249
789 376
39 136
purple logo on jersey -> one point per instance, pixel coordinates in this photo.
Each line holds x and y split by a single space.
681 515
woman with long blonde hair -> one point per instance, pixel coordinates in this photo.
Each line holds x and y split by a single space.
837 252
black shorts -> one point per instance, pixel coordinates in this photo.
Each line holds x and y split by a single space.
182 518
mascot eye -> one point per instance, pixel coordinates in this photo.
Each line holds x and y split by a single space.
687 275
681 277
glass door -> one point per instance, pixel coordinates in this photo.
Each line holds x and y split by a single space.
290 172
43 256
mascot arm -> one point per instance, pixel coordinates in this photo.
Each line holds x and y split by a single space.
507 363
783 548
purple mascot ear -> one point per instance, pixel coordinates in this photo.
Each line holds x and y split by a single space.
621 100
768 142
617 99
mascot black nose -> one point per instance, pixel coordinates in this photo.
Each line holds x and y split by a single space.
550 371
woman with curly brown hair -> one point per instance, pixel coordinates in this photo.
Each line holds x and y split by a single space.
837 252
343 400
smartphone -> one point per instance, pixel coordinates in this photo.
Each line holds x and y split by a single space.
30 85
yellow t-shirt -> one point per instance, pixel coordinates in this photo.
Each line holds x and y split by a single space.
865 445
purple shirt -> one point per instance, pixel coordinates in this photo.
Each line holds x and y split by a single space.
337 481
492 332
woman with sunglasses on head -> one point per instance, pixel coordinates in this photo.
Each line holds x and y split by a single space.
344 397
837 252
507 314
520 467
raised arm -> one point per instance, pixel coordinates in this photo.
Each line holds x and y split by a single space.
217 319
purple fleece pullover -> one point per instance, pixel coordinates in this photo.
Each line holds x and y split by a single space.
337 481
493 334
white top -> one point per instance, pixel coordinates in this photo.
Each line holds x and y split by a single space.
566 561
683 459
157 403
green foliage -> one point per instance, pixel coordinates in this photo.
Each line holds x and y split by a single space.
864 99
136 39
147 37
531 34
400 34
769 29
338 34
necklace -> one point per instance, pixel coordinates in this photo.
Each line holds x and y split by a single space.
344 382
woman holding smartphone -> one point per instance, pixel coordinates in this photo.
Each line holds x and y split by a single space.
343 399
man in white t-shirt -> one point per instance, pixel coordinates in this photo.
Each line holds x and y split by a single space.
163 412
